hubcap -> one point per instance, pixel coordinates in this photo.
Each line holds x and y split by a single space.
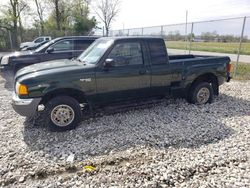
203 95
62 115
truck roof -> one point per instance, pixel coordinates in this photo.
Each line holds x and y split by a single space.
135 37
79 37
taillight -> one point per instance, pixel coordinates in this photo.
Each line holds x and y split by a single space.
229 67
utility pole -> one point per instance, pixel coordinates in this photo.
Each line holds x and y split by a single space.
123 28
240 44
186 30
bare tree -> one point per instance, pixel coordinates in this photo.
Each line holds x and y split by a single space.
107 10
21 8
81 7
13 12
41 5
56 4
61 12
14 18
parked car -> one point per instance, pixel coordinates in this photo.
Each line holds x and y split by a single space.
59 48
35 42
34 47
112 70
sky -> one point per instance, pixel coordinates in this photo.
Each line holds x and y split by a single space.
143 13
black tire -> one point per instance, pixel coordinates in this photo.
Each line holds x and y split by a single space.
201 93
66 105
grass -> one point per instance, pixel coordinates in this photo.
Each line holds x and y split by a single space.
243 71
222 47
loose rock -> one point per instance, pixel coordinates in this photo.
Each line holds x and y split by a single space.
165 143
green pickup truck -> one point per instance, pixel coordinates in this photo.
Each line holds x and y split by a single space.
113 70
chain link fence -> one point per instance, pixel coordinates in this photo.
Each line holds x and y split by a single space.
229 37
7 43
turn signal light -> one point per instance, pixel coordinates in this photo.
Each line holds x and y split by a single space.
23 89
229 67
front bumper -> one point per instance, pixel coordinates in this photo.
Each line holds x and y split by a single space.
25 107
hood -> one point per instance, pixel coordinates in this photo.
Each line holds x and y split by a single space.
19 53
51 67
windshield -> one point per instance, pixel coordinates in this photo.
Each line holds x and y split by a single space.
95 51
46 45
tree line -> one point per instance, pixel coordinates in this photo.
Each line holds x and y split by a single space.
205 37
53 18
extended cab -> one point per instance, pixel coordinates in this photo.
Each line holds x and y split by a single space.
113 70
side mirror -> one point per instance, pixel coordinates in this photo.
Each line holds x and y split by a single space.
109 63
50 50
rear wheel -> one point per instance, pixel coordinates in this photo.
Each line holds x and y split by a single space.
63 113
201 93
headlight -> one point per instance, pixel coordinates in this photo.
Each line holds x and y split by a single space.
5 60
21 89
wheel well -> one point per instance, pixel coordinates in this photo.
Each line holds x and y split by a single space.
210 78
74 93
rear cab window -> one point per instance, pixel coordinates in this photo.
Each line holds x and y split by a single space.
158 53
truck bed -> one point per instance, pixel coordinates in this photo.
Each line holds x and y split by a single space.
188 57
197 59
176 57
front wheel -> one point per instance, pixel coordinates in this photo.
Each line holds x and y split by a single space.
63 113
201 93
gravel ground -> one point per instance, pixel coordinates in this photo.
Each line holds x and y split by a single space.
168 144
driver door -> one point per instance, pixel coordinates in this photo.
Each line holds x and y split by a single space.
127 77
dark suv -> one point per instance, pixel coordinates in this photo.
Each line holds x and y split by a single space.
59 48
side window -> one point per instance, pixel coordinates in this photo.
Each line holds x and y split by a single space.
128 53
82 44
157 52
38 40
47 39
64 45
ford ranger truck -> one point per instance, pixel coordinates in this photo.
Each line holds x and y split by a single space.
113 70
